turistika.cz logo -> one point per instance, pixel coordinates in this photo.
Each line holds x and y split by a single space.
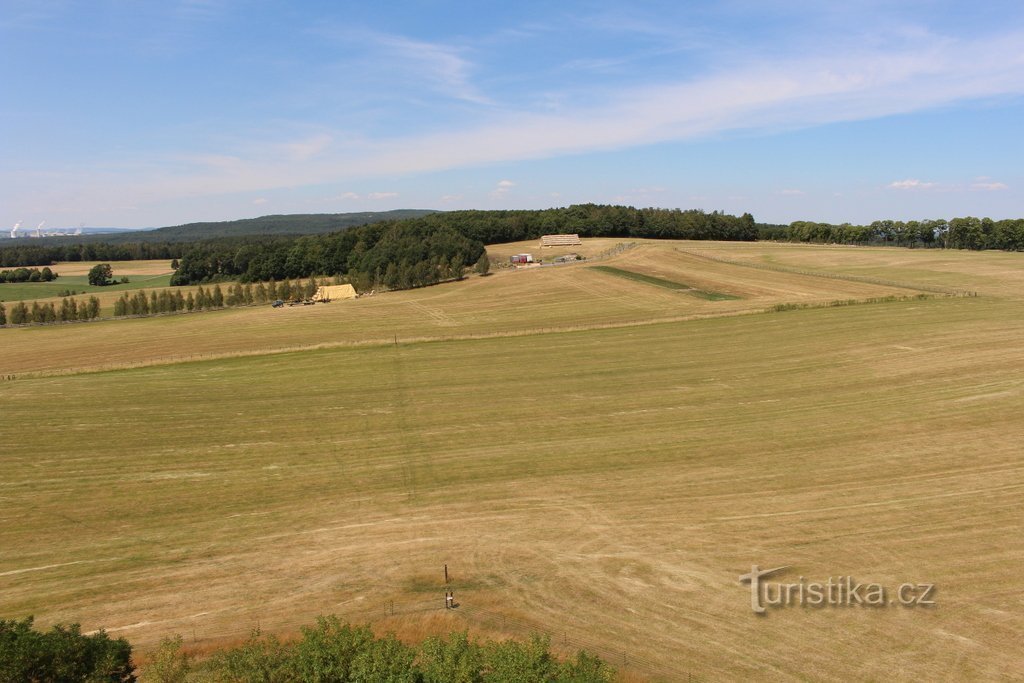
840 591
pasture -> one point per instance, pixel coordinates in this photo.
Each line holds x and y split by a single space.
590 455
74 276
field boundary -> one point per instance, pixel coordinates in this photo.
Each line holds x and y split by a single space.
829 275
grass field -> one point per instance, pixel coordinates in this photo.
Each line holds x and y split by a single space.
74 276
590 455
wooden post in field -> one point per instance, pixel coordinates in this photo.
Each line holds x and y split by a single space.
446 573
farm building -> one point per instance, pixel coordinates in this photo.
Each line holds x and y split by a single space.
559 240
520 259
332 292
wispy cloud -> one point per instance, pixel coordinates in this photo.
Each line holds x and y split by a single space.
986 184
760 96
396 59
502 188
910 184
791 192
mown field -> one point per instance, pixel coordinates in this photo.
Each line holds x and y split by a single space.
591 455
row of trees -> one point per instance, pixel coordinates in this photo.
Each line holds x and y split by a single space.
957 233
69 310
27 275
336 652
142 303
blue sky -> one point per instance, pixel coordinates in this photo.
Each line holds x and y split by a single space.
136 114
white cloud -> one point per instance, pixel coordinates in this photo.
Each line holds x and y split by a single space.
502 188
792 192
986 184
437 66
910 184
382 195
349 195
448 198
760 96
259 200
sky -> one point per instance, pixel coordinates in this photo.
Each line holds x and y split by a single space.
130 113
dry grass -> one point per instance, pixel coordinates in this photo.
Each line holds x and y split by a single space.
606 485
126 268
545 299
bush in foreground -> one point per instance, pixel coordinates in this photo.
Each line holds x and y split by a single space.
336 652
62 654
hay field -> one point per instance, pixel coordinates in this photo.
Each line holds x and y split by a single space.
600 478
510 302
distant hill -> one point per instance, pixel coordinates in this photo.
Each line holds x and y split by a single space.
293 224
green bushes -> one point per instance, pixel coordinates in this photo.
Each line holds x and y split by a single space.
336 652
61 654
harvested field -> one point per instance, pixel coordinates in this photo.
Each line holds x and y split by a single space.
603 461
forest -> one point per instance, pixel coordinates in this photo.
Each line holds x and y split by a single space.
422 251
957 233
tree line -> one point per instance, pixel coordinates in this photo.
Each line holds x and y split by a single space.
48 254
957 233
142 303
425 250
70 310
27 275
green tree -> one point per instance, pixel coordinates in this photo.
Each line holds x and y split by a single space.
456 659
100 274
3 315
218 297
94 308
190 302
458 267
62 654
483 265
19 313
169 664
385 659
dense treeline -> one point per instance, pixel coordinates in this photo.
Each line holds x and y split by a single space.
27 275
422 251
393 255
35 254
69 310
594 220
958 233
